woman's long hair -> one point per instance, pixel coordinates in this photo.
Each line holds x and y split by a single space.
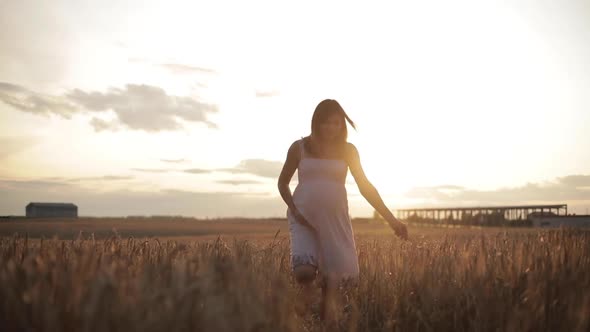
323 111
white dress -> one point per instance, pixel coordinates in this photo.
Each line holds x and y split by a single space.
320 196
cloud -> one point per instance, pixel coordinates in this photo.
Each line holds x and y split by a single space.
17 194
239 182
34 185
575 180
152 170
567 188
449 187
260 167
266 94
31 102
197 171
11 88
56 183
174 161
176 68
102 178
103 125
145 107
139 107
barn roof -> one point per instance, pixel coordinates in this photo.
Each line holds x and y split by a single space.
51 204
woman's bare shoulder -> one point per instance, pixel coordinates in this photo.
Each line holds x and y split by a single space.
351 149
295 148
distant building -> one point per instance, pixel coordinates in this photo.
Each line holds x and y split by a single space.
52 210
509 215
558 221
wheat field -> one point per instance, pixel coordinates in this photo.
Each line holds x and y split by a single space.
444 279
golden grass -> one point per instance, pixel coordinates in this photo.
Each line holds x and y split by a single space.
443 280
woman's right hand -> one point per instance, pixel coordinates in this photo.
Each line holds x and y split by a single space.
300 218
400 229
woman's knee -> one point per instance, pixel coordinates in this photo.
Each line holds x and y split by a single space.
305 273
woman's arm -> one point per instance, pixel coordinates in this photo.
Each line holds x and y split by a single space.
287 172
293 156
370 193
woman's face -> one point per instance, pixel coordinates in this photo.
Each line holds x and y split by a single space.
331 128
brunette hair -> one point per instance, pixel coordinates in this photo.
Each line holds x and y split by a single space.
323 111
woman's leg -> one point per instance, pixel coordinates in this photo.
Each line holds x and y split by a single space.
305 274
329 307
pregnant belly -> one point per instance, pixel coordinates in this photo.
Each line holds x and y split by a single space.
324 195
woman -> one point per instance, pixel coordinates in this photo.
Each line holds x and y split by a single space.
321 233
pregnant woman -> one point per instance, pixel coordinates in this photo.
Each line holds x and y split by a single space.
322 241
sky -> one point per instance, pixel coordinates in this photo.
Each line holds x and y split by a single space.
188 107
